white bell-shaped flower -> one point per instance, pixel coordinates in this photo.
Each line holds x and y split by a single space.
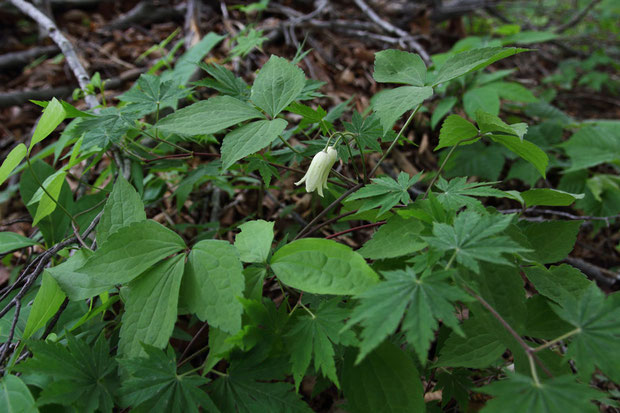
316 177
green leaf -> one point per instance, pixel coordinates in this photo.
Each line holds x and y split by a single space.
48 300
491 124
549 197
523 395
562 284
151 93
368 130
10 241
456 130
591 146
386 381
208 116
426 300
108 126
250 138
314 336
598 331
46 205
154 386
458 193
321 266
53 114
472 60
11 161
397 66
474 238
478 349
213 284
80 375
247 41
391 104
526 150
396 238
485 98
224 81
15 397
385 192
123 207
254 241
128 253
277 84
514 92
444 107
249 387
186 64
550 241
151 302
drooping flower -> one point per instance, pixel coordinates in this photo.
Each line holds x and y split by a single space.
316 177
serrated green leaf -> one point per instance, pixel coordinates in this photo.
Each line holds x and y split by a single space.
10 241
208 116
128 253
213 284
456 130
154 386
152 93
11 161
249 139
277 84
254 241
313 337
48 300
386 381
478 349
80 375
471 60
123 207
53 114
224 81
151 302
485 98
458 193
368 130
53 185
591 146
249 387
385 192
526 150
397 66
491 124
321 266
444 106
391 104
474 238
549 197
523 395
426 299
397 237
15 397
108 126
550 241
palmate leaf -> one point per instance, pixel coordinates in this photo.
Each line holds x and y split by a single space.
475 237
368 130
154 386
458 192
596 341
426 299
385 192
248 386
520 394
150 93
80 375
313 337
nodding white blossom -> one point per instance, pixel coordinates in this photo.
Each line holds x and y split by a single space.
316 177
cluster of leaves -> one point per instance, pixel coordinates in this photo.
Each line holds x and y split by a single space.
436 294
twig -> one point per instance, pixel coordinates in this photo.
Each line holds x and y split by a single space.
390 28
576 17
7 343
65 46
562 214
346 231
602 275
146 12
54 319
191 343
308 228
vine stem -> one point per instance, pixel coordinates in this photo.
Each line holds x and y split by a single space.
556 340
529 351
346 231
387 152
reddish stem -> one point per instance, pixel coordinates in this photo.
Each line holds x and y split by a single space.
337 234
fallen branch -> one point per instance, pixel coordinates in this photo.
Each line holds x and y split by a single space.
23 58
63 43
